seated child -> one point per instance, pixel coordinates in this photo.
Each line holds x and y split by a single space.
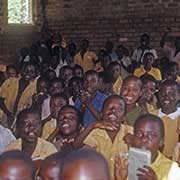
91 100
85 164
169 113
69 124
147 68
148 100
51 167
74 87
131 91
106 136
149 134
57 101
29 129
16 165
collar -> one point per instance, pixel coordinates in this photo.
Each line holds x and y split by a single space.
172 116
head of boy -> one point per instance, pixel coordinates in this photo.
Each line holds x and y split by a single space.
45 65
42 85
72 48
75 85
51 168
114 109
29 71
149 134
109 46
131 90
172 71
56 86
149 87
66 73
168 95
69 120
91 80
78 71
145 40
11 71
84 45
85 164
15 165
105 60
29 125
57 101
148 60
114 70
50 74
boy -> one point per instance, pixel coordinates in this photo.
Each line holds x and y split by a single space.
16 165
147 68
131 92
29 129
11 71
91 100
169 113
85 164
149 134
107 136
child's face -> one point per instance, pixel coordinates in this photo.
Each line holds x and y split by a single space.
148 90
173 73
91 83
115 71
56 88
29 72
114 110
51 75
148 60
168 96
78 72
30 128
148 135
68 121
55 105
49 171
131 91
42 86
67 74
15 170
75 88
11 72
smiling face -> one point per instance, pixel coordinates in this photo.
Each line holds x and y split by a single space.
168 96
15 170
68 121
148 60
30 127
131 90
29 72
56 88
42 86
114 109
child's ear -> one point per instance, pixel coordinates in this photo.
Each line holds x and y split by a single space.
161 143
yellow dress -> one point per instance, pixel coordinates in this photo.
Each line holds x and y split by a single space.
43 148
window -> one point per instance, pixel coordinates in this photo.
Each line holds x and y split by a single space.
20 12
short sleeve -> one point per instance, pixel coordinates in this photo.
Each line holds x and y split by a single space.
91 140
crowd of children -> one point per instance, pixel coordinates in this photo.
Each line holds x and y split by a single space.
69 115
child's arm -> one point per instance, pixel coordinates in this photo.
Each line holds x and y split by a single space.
101 125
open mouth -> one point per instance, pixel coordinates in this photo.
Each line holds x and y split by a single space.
112 117
65 125
166 102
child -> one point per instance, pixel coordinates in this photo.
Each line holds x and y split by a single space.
11 71
74 87
131 92
69 123
114 70
16 165
57 101
56 86
29 129
149 134
91 100
147 68
169 113
85 164
78 71
107 136
148 100
50 74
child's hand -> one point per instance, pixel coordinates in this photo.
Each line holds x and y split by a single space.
112 126
129 139
120 168
85 97
146 173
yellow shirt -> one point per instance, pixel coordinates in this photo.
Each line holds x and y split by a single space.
100 140
9 90
48 128
155 72
117 86
171 122
43 148
165 168
87 62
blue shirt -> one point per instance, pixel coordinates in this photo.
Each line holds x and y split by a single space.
97 103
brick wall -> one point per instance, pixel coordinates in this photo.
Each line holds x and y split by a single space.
99 21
